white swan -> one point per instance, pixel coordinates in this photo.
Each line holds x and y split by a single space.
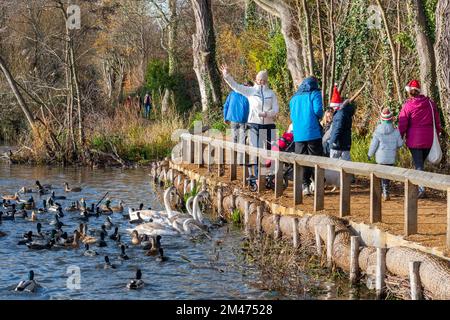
154 229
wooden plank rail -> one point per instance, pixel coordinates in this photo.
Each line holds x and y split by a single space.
411 178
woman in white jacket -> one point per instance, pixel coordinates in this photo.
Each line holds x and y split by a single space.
263 104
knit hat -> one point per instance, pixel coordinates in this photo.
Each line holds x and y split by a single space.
262 75
413 84
386 115
336 100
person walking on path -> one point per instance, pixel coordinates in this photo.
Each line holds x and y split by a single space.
235 113
341 133
306 110
263 108
416 124
386 141
147 105
326 124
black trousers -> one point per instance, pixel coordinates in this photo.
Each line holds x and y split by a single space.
312 148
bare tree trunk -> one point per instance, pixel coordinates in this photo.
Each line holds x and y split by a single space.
280 9
18 95
332 49
204 51
308 38
424 47
323 51
442 52
172 52
393 54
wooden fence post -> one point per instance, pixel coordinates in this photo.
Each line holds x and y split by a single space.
191 154
261 177
298 184
209 158
319 188
410 208
354 256
233 165
220 161
344 198
278 178
246 161
199 154
331 233
375 198
414 280
380 272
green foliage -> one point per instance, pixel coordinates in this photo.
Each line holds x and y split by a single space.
273 59
430 13
360 148
157 77
236 216
191 193
406 39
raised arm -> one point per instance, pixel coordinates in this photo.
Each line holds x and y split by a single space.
239 88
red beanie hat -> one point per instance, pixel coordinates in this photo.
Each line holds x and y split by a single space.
336 100
413 85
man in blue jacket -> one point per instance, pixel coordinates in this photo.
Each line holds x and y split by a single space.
235 113
306 113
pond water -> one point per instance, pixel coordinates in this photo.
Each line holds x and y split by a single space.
215 271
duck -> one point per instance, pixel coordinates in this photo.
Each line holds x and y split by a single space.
25 190
33 217
146 244
28 237
67 189
56 222
136 283
39 234
154 250
2 234
120 243
44 207
108 264
7 217
75 206
89 252
123 255
29 285
161 257
135 238
42 188
14 197
29 204
6 204
21 213
53 196
115 235
108 223
119 208
41 245
96 232
101 242
75 242
106 208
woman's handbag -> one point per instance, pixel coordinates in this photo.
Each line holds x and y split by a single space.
435 155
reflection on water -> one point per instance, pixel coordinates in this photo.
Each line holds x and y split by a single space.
227 277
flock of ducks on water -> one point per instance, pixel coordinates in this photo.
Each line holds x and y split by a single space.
148 226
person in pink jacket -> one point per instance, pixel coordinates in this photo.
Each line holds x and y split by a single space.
416 124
